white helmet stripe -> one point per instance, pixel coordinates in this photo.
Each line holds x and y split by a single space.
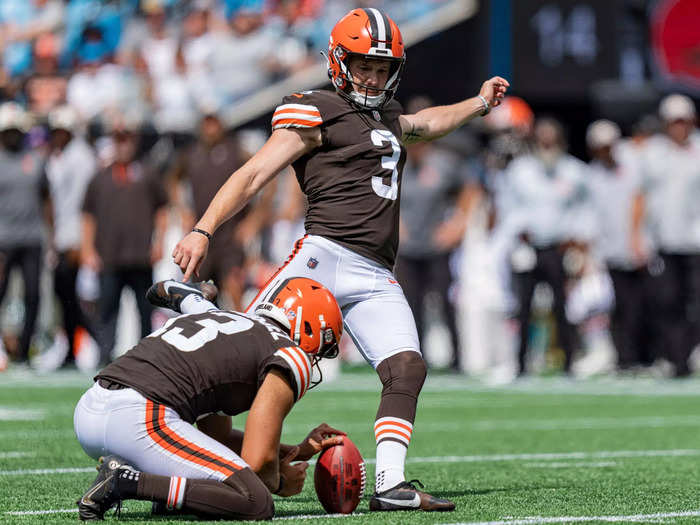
322 331
297 326
381 28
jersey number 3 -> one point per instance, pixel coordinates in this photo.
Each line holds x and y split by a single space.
379 137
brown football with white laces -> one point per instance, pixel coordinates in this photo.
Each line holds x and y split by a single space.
340 477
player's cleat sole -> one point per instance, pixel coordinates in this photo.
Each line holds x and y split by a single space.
102 494
405 496
170 293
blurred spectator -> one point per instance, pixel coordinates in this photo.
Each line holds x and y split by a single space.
620 241
21 21
293 21
105 16
155 52
240 61
205 167
200 42
670 197
99 85
46 86
439 191
22 187
70 167
547 189
124 220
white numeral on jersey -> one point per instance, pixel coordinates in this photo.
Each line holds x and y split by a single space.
379 137
212 327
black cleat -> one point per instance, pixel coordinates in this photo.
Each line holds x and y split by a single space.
170 293
103 494
405 496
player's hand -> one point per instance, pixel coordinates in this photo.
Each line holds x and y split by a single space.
293 476
320 438
190 253
494 89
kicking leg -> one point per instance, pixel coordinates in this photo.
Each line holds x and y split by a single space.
183 298
394 354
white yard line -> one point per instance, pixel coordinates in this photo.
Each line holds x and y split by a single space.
633 518
22 435
20 414
452 459
578 464
68 470
319 516
39 512
604 454
585 423
13 455
489 425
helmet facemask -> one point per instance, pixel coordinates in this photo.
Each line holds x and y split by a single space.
351 89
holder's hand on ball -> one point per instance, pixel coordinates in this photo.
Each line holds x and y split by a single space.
320 438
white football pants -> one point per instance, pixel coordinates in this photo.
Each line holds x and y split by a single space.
149 436
376 314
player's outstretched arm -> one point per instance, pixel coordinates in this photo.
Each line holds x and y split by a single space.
282 148
432 123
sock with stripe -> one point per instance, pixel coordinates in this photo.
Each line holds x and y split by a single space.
391 457
402 377
196 304
153 487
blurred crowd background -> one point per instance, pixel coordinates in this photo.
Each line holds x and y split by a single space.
561 234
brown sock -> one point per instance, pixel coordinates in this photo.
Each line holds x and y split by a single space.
153 487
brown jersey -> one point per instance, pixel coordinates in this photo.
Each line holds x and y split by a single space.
208 363
353 180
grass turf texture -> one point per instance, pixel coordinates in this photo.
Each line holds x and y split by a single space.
470 444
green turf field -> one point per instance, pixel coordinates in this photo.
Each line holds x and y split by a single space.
540 451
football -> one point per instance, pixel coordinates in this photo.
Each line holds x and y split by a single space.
339 477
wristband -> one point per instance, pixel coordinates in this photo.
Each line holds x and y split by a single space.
487 106
205 233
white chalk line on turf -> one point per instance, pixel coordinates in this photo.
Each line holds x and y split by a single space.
39 512
578 519
13 455
318 516
489 425
20 414
280 518
605 454
577 464
67 470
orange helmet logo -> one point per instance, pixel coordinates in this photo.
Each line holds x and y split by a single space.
372 34
311 313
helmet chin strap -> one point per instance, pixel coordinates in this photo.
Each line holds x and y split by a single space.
371 101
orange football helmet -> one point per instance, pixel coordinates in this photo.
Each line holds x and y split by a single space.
310 313
370 33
